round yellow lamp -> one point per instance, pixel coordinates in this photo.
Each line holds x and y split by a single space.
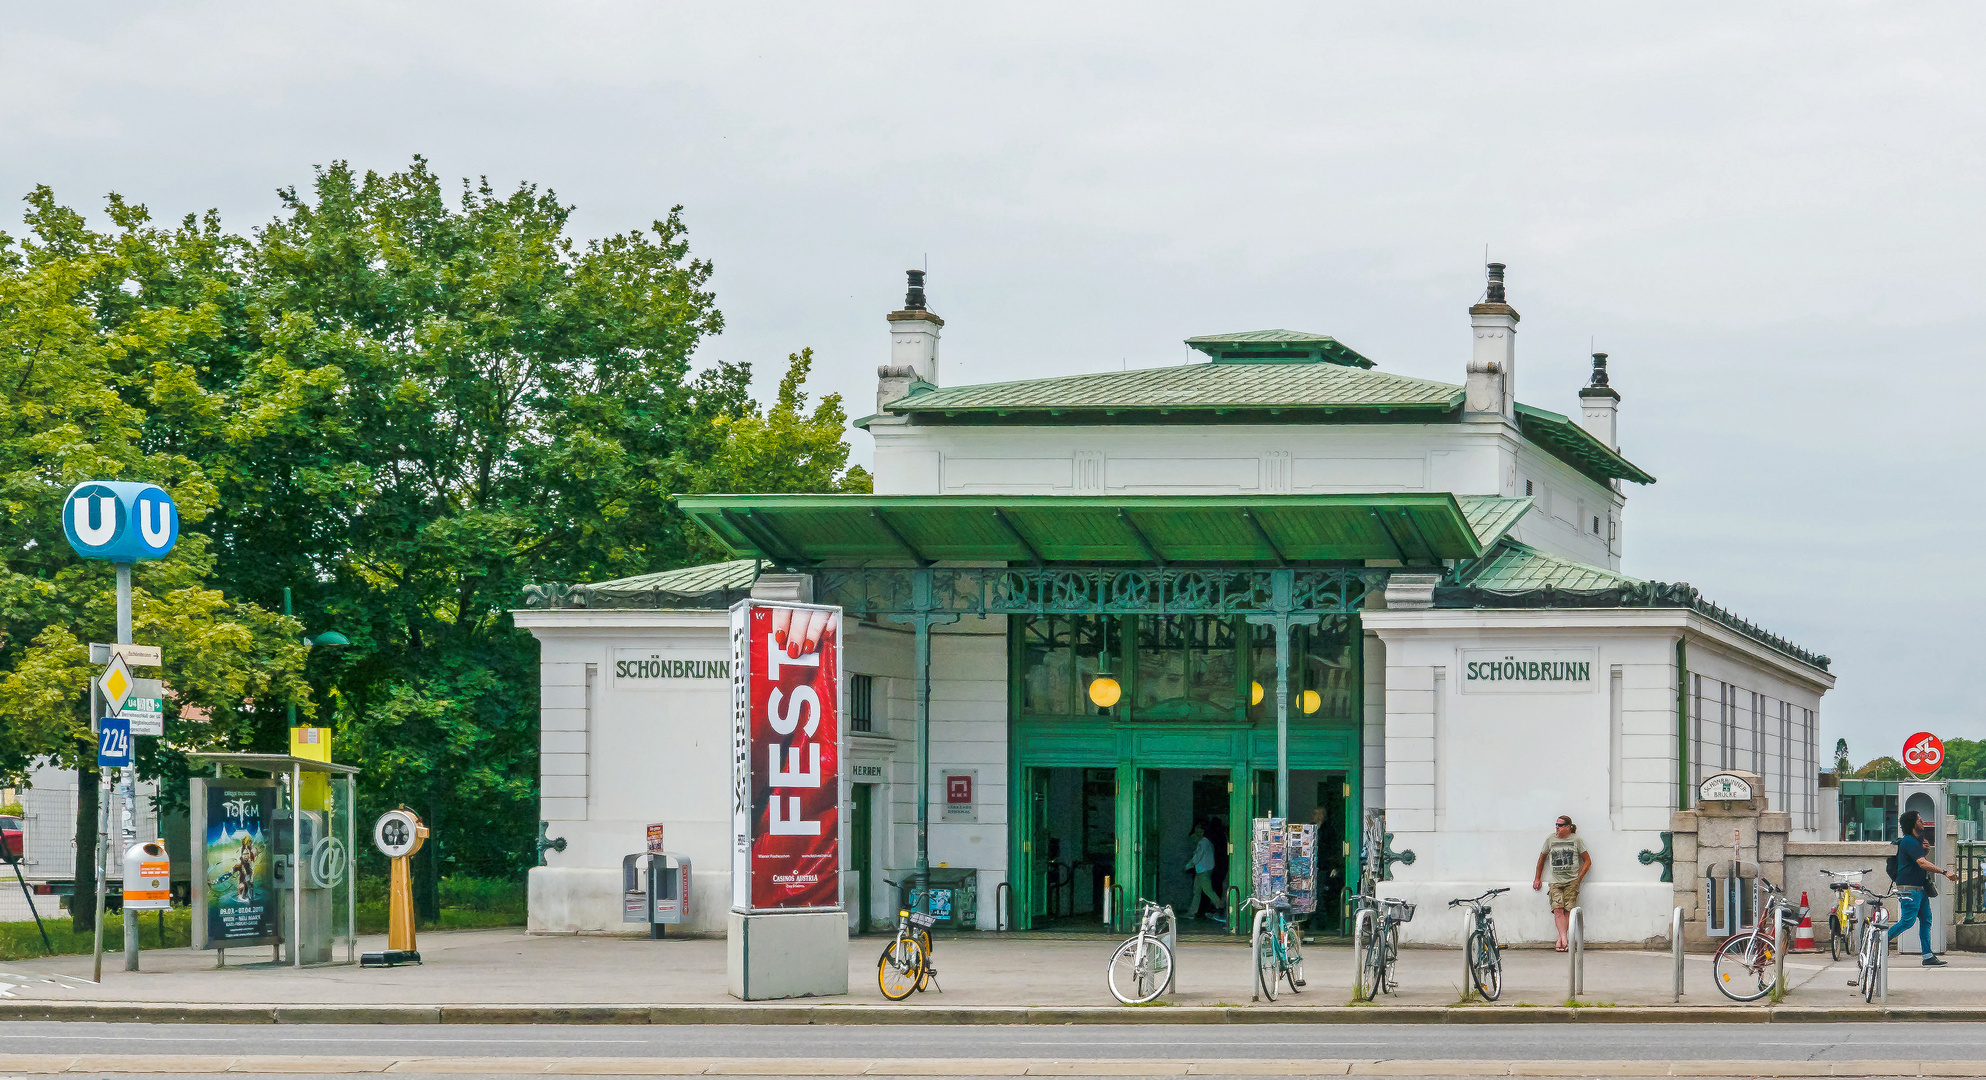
1312 701
1104 691
1255 693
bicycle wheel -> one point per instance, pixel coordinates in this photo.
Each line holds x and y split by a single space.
1140 970
1391 968
900 968
1266 973
1485 966
1368 955
1293 956
1742 968
1837 938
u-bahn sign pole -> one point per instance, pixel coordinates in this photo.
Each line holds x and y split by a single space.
120 522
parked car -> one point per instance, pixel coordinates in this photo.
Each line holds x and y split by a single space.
12 843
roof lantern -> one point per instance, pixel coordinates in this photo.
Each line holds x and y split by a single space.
1276 347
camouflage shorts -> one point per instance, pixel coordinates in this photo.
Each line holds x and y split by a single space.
1565 896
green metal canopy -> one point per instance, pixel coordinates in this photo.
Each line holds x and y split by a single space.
855 529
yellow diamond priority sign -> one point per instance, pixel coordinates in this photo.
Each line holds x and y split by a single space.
116 685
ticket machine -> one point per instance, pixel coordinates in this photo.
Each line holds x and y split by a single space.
655 889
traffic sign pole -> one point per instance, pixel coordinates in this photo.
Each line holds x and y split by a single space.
119 522
128 779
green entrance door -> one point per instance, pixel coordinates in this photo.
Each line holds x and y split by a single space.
861 838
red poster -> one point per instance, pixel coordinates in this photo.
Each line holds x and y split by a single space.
786 757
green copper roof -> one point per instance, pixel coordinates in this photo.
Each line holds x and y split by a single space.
1216 388
1577 447
1491 516
853 529
1277 347
1515 567
688 580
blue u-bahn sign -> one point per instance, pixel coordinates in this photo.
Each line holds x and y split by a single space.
120 521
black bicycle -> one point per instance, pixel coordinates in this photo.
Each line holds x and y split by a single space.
1485 955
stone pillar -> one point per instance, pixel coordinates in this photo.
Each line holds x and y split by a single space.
1719 837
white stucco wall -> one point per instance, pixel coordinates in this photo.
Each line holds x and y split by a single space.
1474 780
1223 459
616 754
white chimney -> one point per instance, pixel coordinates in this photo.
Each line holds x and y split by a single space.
1492 387
914 333
1599 406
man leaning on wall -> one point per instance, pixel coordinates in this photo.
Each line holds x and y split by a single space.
1570 861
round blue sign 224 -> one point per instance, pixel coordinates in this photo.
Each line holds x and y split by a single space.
120 521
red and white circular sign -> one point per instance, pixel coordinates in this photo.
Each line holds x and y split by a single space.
1923 753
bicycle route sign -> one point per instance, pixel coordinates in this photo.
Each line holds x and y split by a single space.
1923 753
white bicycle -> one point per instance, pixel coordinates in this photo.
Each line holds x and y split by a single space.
1141 968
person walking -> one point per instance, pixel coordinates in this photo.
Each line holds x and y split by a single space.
1201 866
1570 862
1913 880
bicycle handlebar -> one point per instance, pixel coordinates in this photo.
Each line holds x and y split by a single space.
1256 901
1479 899
1847 873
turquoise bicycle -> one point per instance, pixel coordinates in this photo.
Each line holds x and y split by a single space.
1278 947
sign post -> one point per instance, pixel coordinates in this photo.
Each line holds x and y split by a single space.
788 931
120 522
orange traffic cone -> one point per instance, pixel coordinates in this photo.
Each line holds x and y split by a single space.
1803 935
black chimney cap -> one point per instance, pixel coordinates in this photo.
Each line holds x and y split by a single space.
1599 369
913 300
1495 295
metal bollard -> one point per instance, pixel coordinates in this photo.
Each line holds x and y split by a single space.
1003 904
1778 954
1468 975
1106 912
1576 938
1676 946
1172 946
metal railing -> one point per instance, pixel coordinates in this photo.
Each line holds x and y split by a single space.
1969 896
1575 935
1676 948
1234 909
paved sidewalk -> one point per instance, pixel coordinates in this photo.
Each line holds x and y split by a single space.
99 1064
509 967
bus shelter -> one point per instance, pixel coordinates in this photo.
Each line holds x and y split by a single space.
273 849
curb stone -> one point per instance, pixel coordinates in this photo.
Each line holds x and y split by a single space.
866 1014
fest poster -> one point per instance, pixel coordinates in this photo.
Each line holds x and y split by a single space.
786 757
237 863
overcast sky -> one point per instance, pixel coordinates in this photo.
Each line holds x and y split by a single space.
1769 214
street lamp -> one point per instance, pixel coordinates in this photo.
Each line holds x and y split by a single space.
328 637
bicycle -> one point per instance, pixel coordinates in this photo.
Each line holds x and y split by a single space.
1376 950
1844 923
1872 958
1141 968
1748 958
1485 955
906 965
1277 945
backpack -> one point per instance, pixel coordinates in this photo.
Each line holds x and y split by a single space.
1889 867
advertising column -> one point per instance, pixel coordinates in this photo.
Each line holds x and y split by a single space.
788 932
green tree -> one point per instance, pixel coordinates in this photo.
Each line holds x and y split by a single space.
79 341
473 400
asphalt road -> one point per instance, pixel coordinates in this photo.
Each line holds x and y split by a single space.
1405 1042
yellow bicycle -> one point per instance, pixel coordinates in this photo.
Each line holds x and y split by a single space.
1844 923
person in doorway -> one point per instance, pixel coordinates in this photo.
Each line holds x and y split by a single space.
1913 878
1570 862
1201 866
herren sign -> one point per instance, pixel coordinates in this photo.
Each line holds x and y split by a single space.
1527 671
785 757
